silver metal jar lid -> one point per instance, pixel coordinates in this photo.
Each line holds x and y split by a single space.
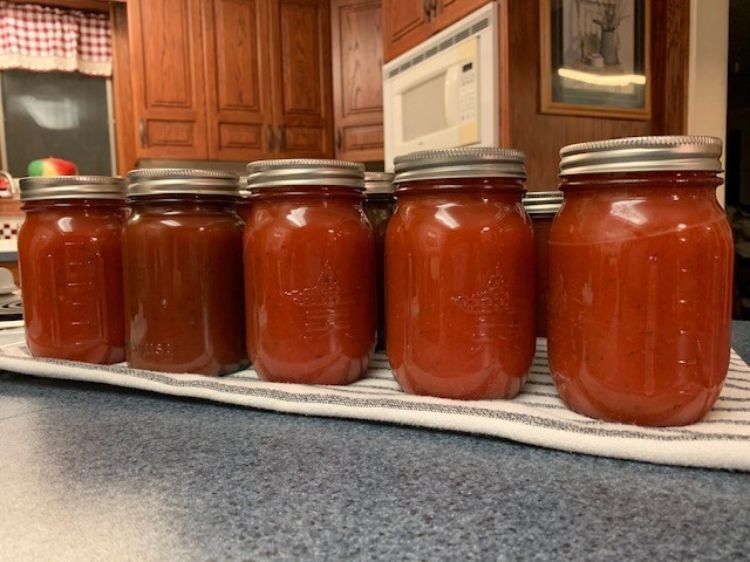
245 192
305 172
378 183
71 187
542 202
175 181
455 163
642 154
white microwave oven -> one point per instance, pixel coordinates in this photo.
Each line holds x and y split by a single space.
444 92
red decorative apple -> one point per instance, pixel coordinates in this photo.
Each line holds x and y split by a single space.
52 167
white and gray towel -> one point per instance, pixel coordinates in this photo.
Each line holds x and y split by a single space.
536 416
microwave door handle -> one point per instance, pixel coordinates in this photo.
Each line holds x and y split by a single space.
452 85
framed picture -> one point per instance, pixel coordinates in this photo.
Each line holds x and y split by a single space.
595 58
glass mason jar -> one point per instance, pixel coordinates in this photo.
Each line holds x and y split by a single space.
459 260
183 272
379 206
640 280
541 206
244 201
309 272
70 258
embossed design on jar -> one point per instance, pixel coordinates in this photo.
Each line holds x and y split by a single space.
489 305
158 349
325 305
79 280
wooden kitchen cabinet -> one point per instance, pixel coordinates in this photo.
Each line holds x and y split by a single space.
301 78
225 79
238 97
357 54
406 23
166 58
448 12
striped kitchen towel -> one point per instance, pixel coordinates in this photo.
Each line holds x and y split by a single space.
536 416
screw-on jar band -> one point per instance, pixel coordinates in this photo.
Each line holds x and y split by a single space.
265 174
542 202
642 154
458 163
169 181
378 183
38 188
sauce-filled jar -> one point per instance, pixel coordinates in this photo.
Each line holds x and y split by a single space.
309 272
541 207
459 262
379 206
244 201
70 258
183 272
640 280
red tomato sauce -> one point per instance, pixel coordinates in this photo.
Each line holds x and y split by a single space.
379 206
309 285
70 258
244 204
460 288
541 207
542 227
183 284
640 296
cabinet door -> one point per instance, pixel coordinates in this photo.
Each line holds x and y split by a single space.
301 62
405 24
450 11
357 79
166 51
237 79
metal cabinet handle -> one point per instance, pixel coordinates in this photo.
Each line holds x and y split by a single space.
142 132
426 8
337 140
269 138
436 6
282 139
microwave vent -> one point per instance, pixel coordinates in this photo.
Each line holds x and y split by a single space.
461 34
480 25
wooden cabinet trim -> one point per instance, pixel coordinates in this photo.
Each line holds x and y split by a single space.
101 6
358 127
122 88
294 124
235 126
189 103
400 36
451 11
199 120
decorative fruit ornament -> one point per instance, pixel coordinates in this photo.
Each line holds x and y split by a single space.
52 167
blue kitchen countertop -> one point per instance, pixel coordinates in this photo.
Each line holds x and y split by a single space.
89 471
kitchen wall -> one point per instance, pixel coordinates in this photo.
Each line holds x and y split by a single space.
539 135
542 135
707 91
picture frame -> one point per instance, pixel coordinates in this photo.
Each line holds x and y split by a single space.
595 58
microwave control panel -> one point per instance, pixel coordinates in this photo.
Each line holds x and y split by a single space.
467 93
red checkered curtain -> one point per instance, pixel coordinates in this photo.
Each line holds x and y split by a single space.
42 38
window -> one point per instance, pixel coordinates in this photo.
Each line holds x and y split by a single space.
61 114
